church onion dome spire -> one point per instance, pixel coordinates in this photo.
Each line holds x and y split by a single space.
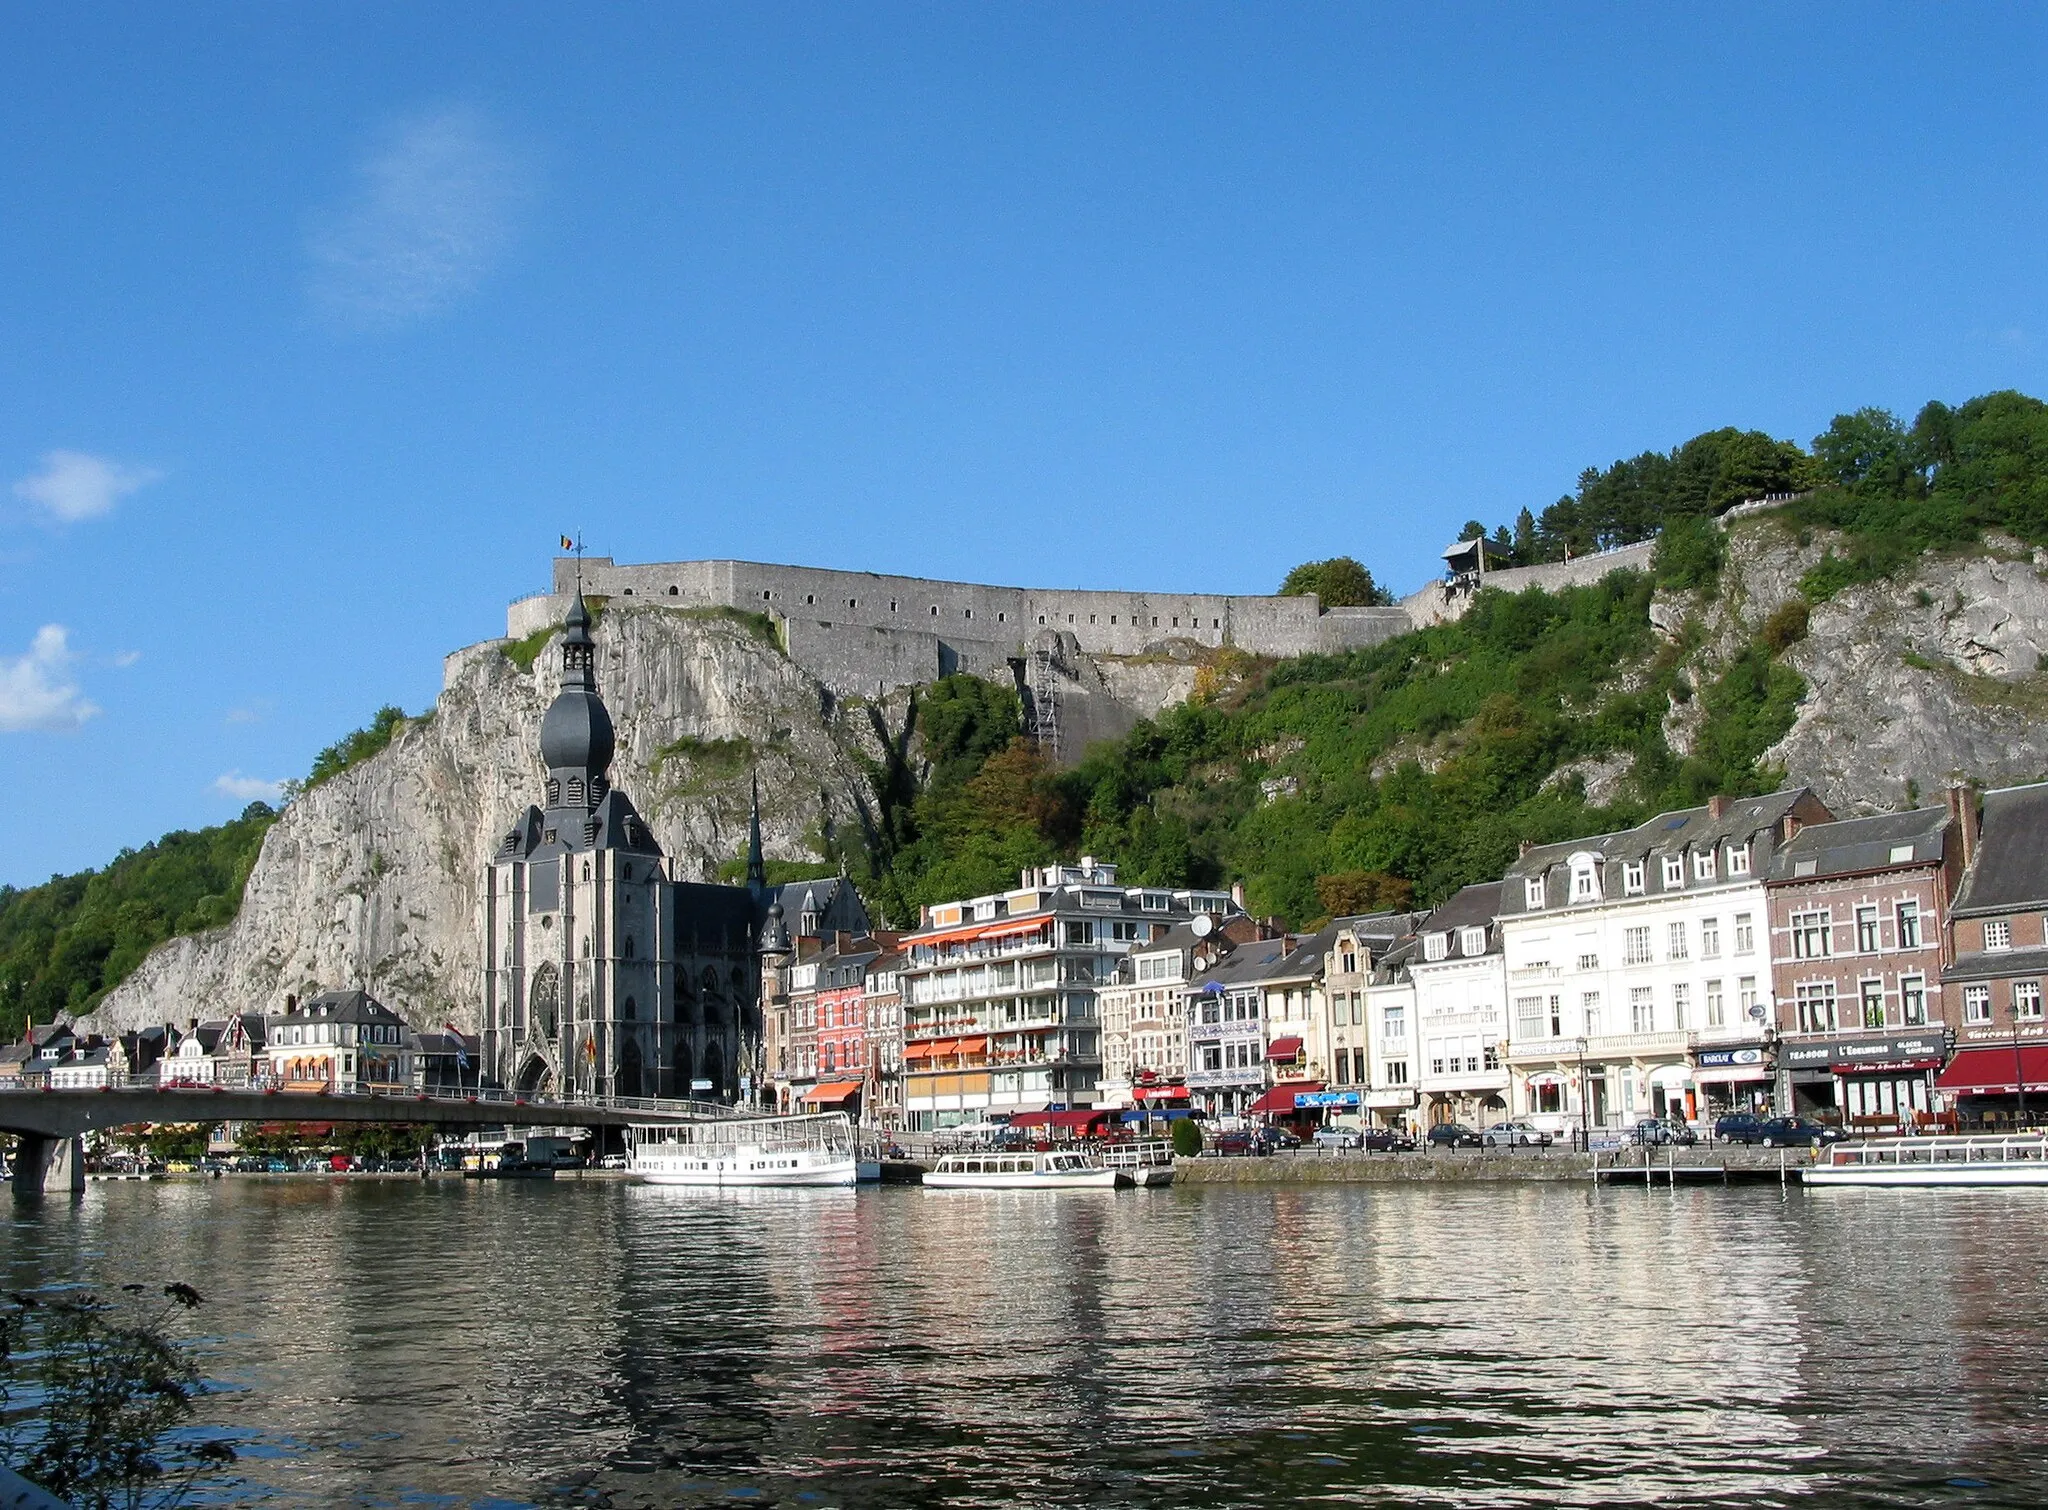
576 738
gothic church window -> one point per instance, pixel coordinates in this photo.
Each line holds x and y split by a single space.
546 1001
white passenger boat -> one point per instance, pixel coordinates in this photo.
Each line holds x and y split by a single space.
1055 1169
2020 1159
807 1150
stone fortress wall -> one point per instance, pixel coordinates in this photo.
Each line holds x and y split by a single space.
862 634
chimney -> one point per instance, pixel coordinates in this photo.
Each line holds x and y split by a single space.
1718 805
842 942
1237 894
1962 812
1527 845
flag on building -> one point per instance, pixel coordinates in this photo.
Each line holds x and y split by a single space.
568 544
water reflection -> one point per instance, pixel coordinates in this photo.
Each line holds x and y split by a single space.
628 1345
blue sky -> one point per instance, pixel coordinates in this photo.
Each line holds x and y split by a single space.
319 324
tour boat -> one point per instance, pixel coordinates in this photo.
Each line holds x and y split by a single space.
2020 1159
1057 1169
806 1150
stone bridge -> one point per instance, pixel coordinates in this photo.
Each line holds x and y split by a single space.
51 1124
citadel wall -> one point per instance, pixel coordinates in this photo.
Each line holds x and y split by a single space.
864 634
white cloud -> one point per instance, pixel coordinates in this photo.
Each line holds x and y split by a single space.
73 485
126 658
247 788
432 212
243 716
36 690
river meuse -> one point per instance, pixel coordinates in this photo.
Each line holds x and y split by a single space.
390 1342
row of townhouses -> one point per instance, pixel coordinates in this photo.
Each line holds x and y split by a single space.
1750 954
335 1041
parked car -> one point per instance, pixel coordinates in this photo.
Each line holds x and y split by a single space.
1787 1132
277 1166
1341 1138
1386 1140
1514 1135
1280 1138
1454 1135
1662 1132
1243 1142
1740 1127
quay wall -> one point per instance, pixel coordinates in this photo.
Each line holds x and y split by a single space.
1479 1166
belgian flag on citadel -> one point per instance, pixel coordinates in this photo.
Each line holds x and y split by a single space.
568 544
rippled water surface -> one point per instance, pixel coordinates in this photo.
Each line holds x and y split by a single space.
612 1344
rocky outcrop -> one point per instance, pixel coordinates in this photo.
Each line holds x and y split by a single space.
372 877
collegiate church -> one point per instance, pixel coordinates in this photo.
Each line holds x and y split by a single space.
603 975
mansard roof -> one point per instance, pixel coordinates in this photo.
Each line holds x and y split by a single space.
2010 870
336 1006
1743 820
1476 906
1853 846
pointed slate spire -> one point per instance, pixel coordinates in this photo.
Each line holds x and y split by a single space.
757 869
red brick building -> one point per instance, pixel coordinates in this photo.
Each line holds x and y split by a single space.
1999 963
1859 940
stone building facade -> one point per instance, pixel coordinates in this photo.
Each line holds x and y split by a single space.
604 975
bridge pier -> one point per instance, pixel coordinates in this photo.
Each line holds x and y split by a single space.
37 1157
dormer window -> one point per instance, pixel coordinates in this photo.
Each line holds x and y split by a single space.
1472 942
1738 859
1674 872
1998 935
1436 946
1703 865
1585 884
1533 892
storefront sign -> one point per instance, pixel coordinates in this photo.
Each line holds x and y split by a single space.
1325 1098
1724 1058
1876 1051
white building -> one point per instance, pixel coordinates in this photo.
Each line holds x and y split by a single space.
1391 1097
1461 988
999 992
1627 952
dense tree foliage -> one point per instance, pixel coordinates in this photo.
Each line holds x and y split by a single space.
66 943
1345 783
1339 582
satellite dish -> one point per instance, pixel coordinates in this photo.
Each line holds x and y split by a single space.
1203 925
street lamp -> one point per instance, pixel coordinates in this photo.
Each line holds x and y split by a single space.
1585 1106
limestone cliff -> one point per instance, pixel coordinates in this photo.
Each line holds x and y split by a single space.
372 876
1910 684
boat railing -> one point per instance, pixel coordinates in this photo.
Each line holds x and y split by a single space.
1143 1153
2012 1148
814 1130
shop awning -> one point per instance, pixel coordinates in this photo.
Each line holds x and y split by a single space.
1161 1093
1281 1097
832 1094
1284 1050
1996 1071
1075 1120
1547 1077
1164 1113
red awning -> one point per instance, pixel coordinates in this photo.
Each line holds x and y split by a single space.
1013 928
970 1046
1284 1050
1161 1093
1996 1071
917 1051
1281 1097
958 935
833 1094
